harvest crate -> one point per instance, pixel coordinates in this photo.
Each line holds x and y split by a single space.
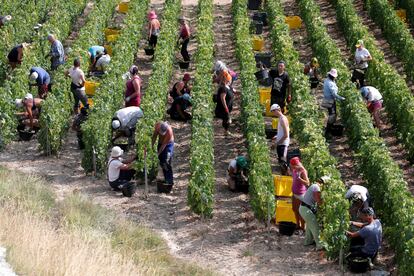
112 38
258 43
109 31
283 185
264 97
294 22
284 211
123 7
90 102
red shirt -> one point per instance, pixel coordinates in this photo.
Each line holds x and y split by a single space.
136 100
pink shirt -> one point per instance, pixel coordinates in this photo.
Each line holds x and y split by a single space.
298 188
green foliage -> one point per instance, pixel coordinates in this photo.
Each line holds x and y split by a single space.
260 175
97 132
155 100
393 202
408 5
308 128
61 16
56 109
201 187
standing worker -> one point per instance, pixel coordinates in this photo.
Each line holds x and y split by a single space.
299 184
133 88
57 53
282 138
311 70
41 79
4 20
154 27
224 106
330 95
307 210
362 56
165 149
184 38
15 56
374 100
281 86
77 86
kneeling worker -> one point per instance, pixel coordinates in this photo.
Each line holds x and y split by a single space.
238 174
178 108
120 172
359 199
125 121
32 110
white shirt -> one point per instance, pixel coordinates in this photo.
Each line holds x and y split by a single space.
359 55
129 116
76 74
233 164
114 169
281 132
103 61
357 189
373 94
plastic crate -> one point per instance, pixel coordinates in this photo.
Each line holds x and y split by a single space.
275 121
284 211
258 43
112 38
109 31
294 22
123 7
283 185
402 14
108 49
264 98
90 87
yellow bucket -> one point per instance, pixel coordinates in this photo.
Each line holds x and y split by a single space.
402 14
264 98
283 185
284 211
275 121
108 49
258 43
123 7
112 38
90 87
294 22
90 102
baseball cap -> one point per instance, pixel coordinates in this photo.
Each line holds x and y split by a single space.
28 96
274 107
116 124
33 76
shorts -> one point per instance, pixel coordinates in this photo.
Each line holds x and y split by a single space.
300 197
281 151
377 105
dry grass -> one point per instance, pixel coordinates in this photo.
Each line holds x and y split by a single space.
75 236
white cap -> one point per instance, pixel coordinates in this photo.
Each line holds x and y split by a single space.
28 96
6 19
333 73
116 124
274 107
33 76
116 152
19 102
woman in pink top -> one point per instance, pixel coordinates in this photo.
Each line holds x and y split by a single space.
299 185
133 88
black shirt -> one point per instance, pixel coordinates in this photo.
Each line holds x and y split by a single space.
279 83
13 55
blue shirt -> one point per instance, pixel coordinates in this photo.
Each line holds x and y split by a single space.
43 77
372 235
57 53
330 90
94 49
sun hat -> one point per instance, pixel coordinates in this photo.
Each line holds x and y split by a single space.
294 161
368 211
116 152
186 77
359 43
116 124
315 62
18 102
333 73
152 15
241 161
28 96
163 128
33 76
274 107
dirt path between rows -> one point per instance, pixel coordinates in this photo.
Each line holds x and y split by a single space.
232 242
388 133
